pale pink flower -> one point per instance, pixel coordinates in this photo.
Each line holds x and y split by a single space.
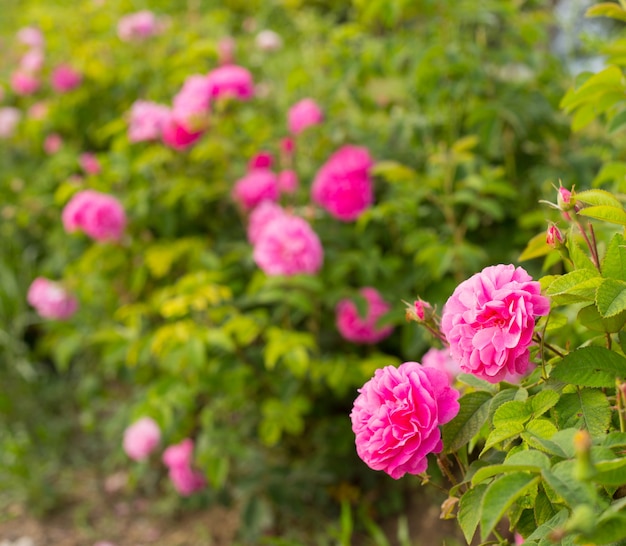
190 106
99 215
262 160
186 480
519 539
138 26
52 144
343 185
89 163
256 186
287 181
31 37
489 321
51 300
141 438
32 60
441 359
268 40
231 81
177 137
24 83
64 78
38 110
303 114
288 246
226 50
147 120
9 119
261 217
363 329
178 454
396 417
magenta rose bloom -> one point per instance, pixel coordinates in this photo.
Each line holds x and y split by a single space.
178 459
24 83
358 329
51 300
176 136
231 81
489 321
260 218
441 359
343 185
288 246
287 181
99 215
147 120
141 438
256 186
190 106
396 417
64 78
89 163
304 114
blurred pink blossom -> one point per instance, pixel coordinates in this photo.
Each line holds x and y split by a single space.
99 215
288 246
64 78
190 106
262 160
303 114
51 300
268 40
256 186
231 81
177 137
31 37
138 26
32 61
147 120
441 359
226 50
52 143
89 163
24 83
9 119
343 185
38 110
260 218
141 438
396 417
287 181
363 329
178 459
178 454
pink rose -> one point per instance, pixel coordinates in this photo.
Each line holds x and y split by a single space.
231 81
226 50
38 110
51 300
396 417
52 144
191 104
178 459
32 61
99 215
31 37
343 185
178 454
288 246
89 163
24 83
256 186
177 137
262 160
138 26
441 359
261 217
147 120
268 40
303 114
287 181
489 321
358 329
141 438
64 78
9 119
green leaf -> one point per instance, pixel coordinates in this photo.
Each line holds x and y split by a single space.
543 401
607 9
478 384
571 491
611 472
614 261
613 215
499 497
512 412
617 122
576 286
545 529
529 460
580 258
587 408
544 509
469 510
474 408
506 431
590 318
611 297
597 197
538 428
590 367
615 439
535 248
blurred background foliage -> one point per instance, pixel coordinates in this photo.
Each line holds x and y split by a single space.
458 101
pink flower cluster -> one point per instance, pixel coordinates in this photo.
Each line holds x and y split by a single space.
185 479
147 120
397 414
343 185
141 438
99 215
441 359
363 329
51 300
489 321
304 114
138 26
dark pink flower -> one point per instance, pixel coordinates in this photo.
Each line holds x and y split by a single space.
231 81
65 78
141 438
441 359
24 83
179 454
262 160
554 237
343 185
288 246
51 300
255 187
303 114
363 329
99 215
177 137
186 480
489 321
397 415
138 26
89 163
190 106
147 120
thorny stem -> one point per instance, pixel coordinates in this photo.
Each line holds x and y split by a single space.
442 462
619 399
609 340
591 244
539 339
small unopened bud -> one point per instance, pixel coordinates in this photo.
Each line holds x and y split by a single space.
447 507
584 469
419 311
566 202
554 237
